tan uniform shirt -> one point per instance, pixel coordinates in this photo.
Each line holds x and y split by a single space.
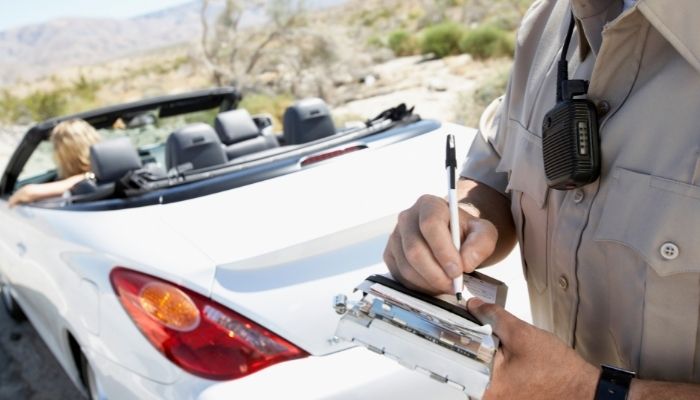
612 269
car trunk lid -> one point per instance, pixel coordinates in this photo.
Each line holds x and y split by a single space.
284 247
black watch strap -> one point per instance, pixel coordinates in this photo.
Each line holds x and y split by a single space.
614 383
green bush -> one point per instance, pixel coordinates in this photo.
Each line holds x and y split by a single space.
10 107
470 106
85 89
262 103
45 105
487 41
375 42
442 39
492 88
370 18
403 43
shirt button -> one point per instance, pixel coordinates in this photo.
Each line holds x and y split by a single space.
578 196
563 282
669 251
603 108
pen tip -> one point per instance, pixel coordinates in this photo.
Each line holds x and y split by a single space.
459 296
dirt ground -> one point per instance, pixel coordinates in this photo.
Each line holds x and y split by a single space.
433 86
28 370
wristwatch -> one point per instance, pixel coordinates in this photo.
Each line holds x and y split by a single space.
613 384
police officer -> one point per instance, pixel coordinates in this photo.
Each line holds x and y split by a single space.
613 267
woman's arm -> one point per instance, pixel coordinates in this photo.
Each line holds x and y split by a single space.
39 191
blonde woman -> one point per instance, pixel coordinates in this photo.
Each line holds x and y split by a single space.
71 151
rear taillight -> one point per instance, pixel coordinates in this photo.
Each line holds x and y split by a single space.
317 158
196 333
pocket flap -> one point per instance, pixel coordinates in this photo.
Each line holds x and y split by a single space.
522 160
656 217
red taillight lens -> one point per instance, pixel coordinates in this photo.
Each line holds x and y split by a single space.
196 333
317 158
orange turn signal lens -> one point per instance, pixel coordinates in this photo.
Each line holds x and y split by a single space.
170 306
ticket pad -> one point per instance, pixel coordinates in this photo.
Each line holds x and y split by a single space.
433 335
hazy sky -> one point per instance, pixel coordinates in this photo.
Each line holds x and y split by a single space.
14 13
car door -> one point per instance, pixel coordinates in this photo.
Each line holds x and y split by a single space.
24 249
11 246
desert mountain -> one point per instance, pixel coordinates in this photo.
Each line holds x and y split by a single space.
40 49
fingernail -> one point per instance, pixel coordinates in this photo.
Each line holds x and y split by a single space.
453 270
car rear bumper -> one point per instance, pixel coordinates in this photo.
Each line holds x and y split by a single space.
352 374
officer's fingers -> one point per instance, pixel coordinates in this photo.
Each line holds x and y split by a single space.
479 244
434 223
400 269
420 258
388 256
505 325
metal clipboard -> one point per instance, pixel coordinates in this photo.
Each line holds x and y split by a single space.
435 336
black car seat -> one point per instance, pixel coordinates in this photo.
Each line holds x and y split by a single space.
241 135
112 159
307 120
195 146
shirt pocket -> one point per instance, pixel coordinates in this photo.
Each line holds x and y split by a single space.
649 234
521 158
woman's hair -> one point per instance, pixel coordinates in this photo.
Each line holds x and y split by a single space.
71 146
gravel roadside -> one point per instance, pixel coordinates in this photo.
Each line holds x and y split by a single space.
28 370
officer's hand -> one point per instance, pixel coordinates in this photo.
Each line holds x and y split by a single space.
532 363
420 252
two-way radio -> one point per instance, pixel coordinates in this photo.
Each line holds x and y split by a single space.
570 141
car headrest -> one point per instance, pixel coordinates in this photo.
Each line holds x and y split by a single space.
195 144
235 126
112 159
307 120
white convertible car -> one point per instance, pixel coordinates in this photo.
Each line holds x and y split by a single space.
202 260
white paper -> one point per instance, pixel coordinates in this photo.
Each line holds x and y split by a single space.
484 290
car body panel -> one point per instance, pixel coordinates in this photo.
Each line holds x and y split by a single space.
273 214
349 375
276 251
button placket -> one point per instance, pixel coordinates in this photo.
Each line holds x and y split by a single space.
565 242
563 282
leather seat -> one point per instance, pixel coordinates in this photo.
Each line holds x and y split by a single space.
308 120
111 159
194 146
240 135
